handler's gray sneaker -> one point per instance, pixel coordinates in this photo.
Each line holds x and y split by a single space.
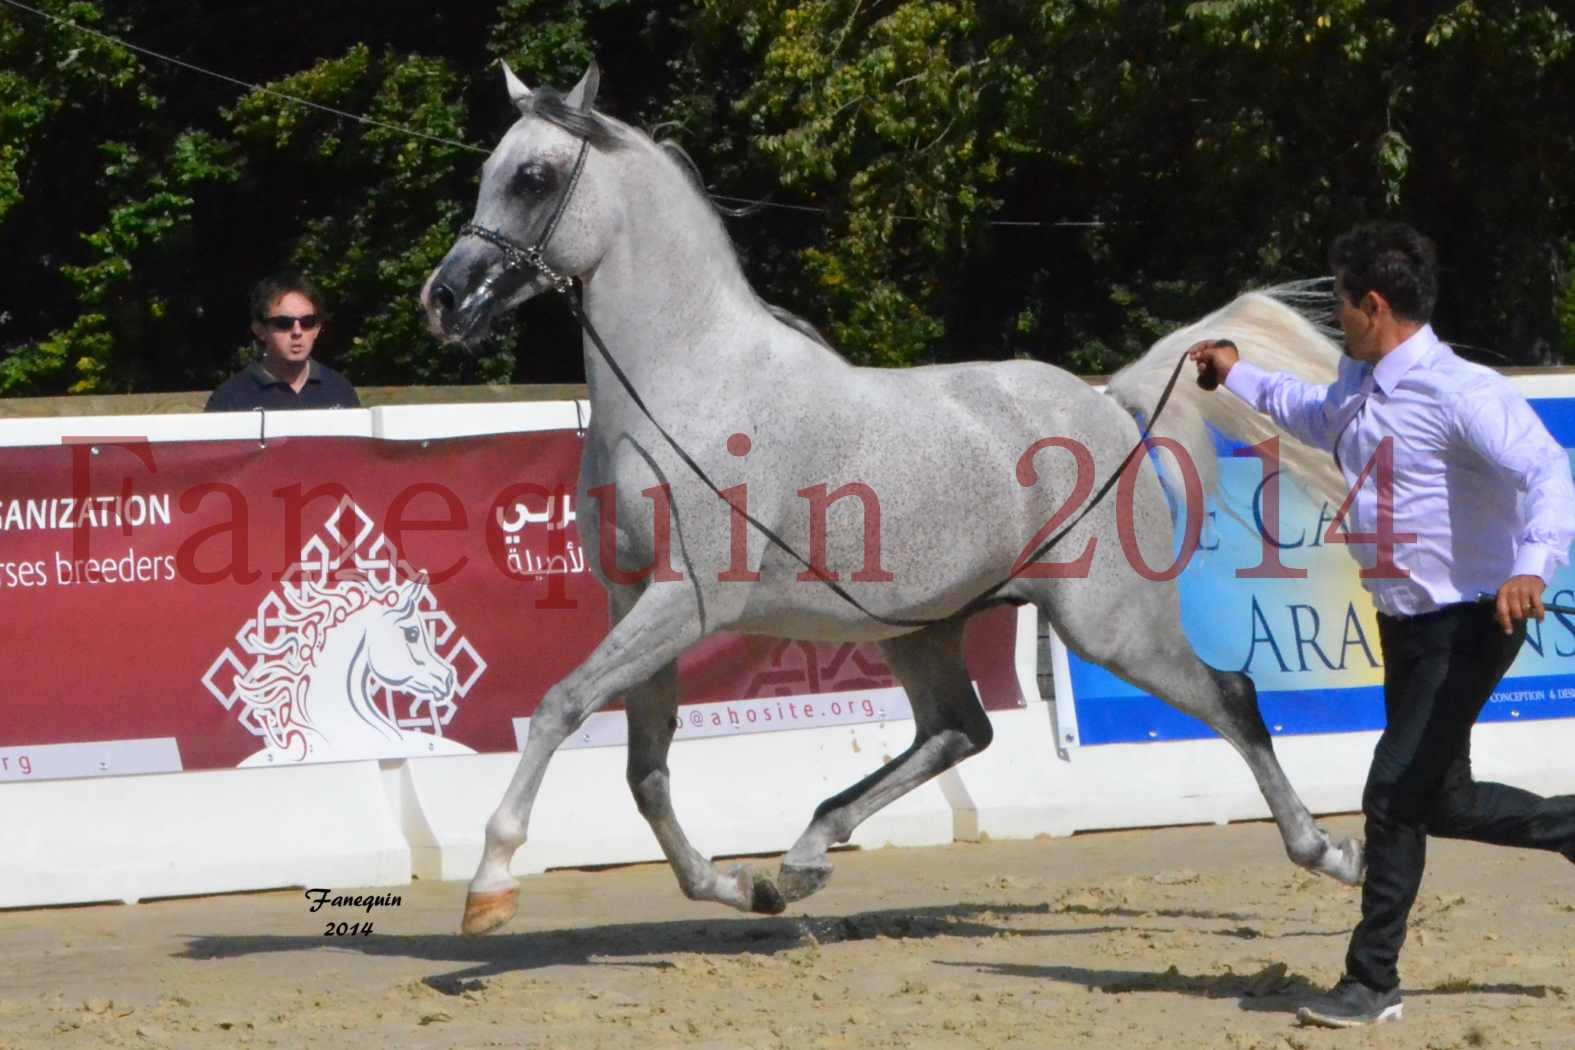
1351 1004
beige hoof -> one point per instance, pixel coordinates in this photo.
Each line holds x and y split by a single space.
485 912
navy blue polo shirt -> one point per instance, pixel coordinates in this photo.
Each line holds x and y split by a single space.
255 387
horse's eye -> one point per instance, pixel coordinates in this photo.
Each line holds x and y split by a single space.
412 635
532 180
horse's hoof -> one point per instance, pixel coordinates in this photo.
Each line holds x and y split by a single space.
797 883
764 898
485 912
1357 864
1346 862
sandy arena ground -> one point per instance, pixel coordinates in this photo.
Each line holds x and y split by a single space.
1181 937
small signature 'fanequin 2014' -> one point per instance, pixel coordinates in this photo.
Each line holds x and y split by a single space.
321 898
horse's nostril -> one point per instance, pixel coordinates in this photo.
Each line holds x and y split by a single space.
443 295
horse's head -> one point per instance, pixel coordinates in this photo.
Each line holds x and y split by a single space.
399 650
545 187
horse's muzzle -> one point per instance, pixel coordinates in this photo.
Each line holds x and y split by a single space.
454 318
462 302
439 303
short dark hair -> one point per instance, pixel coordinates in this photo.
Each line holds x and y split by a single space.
270 288
1392 259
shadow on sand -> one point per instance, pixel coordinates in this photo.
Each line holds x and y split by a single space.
1280 994
648 944
634 944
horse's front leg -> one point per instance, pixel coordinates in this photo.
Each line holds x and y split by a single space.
659 627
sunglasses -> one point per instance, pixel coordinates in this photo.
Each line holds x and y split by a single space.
284 322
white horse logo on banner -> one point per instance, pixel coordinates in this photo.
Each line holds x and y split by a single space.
343 661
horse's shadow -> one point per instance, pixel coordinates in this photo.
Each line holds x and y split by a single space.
650 944
633 944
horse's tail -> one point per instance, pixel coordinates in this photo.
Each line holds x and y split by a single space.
1271 330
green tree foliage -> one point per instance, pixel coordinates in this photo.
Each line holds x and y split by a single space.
380 205
73 102
1176 153
984 178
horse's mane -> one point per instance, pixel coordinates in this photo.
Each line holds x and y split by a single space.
598 129
309 609
609 134
344 593
1278 330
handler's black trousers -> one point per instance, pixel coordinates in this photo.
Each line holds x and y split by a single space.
1439 670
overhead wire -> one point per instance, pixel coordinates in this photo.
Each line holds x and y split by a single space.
359 118
749 202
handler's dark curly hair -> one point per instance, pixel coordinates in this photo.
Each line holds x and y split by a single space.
1392 259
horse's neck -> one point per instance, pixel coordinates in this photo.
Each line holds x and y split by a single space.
668 289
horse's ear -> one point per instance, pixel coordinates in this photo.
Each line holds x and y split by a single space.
583 97
519 94
416 589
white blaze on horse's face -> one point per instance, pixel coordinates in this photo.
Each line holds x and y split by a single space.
399 649
528 177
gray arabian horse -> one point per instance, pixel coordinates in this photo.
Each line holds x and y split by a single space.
938 447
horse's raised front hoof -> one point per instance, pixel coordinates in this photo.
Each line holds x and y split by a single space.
797 883
485 912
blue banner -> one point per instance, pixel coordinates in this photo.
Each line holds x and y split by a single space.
1310 645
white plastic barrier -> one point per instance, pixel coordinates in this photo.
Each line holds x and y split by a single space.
174 834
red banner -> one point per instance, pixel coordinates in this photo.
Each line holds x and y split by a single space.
203 605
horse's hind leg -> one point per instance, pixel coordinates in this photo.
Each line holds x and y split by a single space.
659 627
1235 716
1096 620
949 725
652 709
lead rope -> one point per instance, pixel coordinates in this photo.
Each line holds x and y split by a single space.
974 604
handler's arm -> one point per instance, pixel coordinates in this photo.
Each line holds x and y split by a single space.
1301 409
1502 428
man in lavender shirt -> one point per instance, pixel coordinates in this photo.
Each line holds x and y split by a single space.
1460 491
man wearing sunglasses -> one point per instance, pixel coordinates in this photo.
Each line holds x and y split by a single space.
287 315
